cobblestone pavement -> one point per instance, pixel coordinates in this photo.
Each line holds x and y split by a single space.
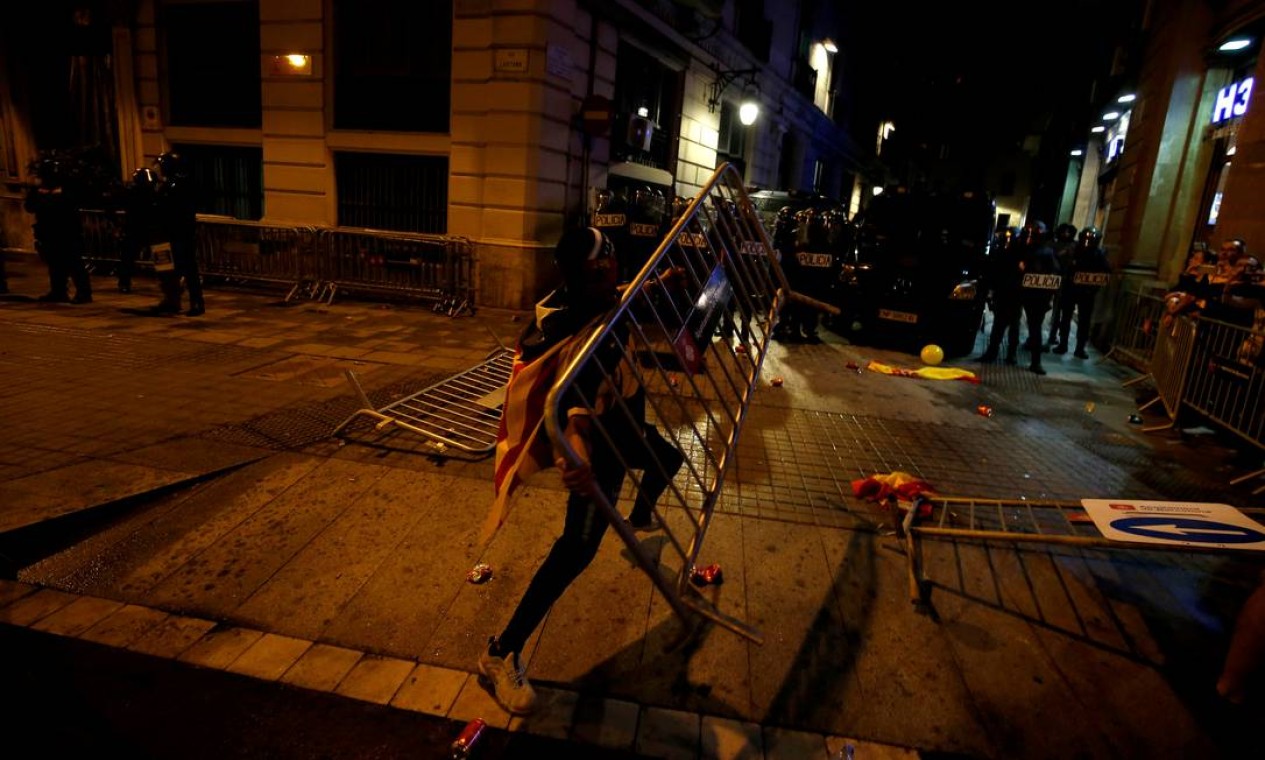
170 486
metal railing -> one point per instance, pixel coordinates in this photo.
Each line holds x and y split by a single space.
255 252
1226 381
1136 329
684 347
1170 362
317 262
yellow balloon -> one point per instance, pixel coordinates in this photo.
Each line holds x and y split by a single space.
932 354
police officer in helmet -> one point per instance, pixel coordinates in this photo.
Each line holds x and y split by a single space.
177 220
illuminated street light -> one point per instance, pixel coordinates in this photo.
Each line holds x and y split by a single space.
748 112
1111 116
1235 44
830 46
1127 98
1098 129
1078 152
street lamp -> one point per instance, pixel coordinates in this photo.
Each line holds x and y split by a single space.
1111 116
748 112
723 79
1235 44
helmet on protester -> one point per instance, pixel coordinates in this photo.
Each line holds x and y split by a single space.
1065 232
1090 237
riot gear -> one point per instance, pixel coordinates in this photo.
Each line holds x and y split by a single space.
1090 237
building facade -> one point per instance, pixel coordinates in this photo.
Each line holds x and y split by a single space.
494 120
1176 152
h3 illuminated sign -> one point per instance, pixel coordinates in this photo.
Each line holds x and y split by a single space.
1232 100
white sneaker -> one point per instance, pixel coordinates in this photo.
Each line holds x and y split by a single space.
509 686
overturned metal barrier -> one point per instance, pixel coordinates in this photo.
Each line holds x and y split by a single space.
1063 523
461 412
685 346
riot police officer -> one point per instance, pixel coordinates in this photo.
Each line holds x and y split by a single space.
1088 268
1040 280
1064 243
58 233
177 219
1004 276
140 201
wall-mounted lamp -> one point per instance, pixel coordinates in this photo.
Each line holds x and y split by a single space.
292 64
1128 97
724 79
1099 129
1078 152
1234 45
1111 116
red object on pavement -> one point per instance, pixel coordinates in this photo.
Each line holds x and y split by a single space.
984 410
479 573
468 739
705 576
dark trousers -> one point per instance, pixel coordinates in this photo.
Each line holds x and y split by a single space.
66 263
1034 310
659 460
1005 323
185 266
1084 305
582 533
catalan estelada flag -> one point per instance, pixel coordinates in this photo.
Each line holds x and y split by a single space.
522 443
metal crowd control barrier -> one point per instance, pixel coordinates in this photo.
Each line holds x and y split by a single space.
463 411
1227 381
689 337
1063 523
103 239
1135 331
1170 362
434 267
255 252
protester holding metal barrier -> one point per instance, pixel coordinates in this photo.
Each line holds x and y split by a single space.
177 218
564 319
1084 276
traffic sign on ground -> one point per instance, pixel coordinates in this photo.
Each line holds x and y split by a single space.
1209 526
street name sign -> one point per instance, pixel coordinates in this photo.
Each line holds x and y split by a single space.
1208 526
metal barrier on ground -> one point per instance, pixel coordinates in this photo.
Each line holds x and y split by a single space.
685 346
1064 523
462 412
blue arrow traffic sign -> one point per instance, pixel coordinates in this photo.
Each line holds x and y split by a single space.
1185 529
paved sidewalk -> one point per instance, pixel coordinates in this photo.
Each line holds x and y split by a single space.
363 545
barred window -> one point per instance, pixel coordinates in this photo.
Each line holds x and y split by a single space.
212 56
392 65
227 180
392 192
